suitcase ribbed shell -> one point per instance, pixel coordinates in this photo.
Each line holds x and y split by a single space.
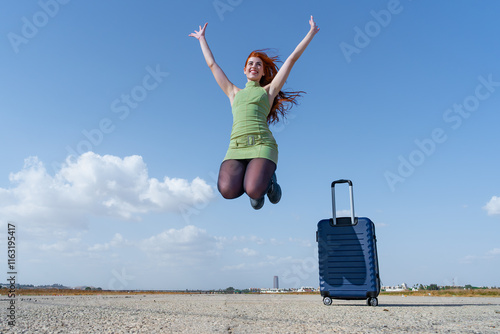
348 265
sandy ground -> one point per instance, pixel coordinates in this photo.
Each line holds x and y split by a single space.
250 314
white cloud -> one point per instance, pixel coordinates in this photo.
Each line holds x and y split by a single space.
189 245
343 213
494 251
63 246
95 185
117 241
489 255
184 246
468 259
275 242
300 242
257 240
251 238
247 252
493 206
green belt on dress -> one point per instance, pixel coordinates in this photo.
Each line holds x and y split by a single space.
246 141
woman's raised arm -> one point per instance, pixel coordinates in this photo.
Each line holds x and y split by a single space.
280 78
227 86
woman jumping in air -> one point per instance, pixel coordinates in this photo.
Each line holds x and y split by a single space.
251 160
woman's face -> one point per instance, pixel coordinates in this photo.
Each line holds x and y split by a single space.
254 69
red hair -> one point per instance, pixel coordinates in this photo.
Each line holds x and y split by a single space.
284 100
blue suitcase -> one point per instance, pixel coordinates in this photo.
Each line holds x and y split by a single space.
347 253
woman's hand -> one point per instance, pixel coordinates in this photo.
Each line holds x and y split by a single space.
314 27
280 78
227 87
201 33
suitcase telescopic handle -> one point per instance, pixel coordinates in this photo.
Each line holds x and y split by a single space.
350 195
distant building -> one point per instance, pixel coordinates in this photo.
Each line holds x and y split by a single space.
276 283
401 287
273 291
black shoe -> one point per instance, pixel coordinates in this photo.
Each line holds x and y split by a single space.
274 192
257 204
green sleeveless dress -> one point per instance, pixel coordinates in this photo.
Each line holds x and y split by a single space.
250 135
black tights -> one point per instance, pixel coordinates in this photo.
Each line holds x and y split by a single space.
245 176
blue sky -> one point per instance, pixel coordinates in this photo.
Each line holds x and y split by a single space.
113 130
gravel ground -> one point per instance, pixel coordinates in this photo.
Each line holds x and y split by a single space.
250 314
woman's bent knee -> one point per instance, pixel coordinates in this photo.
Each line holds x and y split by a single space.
255 192
229 192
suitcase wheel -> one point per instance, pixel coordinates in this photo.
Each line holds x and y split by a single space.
327 301
372 301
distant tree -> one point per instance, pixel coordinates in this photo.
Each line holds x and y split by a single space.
229 290
468 286
88 288
433 287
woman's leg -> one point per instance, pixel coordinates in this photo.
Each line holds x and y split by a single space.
231 175
258 177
